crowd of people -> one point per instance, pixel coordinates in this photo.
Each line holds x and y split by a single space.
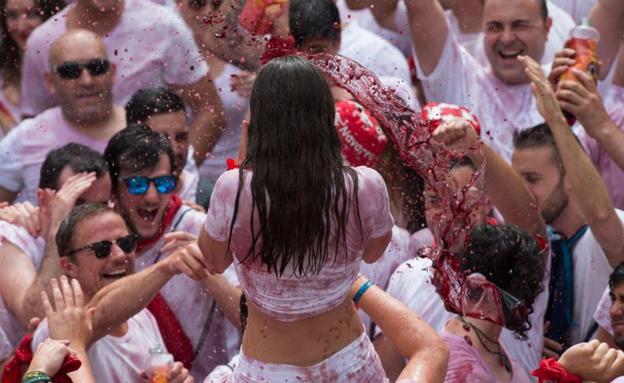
311 191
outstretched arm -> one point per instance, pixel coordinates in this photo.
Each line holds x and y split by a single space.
414 339
608 17
428 30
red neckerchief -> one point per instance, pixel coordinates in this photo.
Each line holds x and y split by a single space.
176 340
172 209
551 370
15 368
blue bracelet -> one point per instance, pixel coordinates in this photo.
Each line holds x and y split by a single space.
361 291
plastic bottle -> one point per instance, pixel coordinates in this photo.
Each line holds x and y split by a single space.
160 361
583 39
253 17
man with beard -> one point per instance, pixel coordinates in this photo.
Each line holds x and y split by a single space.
82 79
585 229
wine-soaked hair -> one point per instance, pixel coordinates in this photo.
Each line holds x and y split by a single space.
294 155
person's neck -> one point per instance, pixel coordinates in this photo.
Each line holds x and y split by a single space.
569 221
100 129
491 330
101 23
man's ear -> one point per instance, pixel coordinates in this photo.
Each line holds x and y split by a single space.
70 269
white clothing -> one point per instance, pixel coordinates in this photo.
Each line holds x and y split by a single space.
151 46
366 20
26 146
502 109
189 179
235 108
578 9
356 362
189 300
119 359
379 272
411 284
602 316
34 249
373 52
591 276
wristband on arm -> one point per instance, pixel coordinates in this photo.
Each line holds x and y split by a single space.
551 370
361 291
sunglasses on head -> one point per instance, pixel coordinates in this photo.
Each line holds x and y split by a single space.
73 70
138 185
102 249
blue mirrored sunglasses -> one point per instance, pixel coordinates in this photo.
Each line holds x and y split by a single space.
138 185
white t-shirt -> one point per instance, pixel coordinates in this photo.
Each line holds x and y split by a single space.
591 276
25 148
119 359
502 109
602 316
578 9
151 46
366 20
411 284
379 272
235 108
34 249
190 301
373 52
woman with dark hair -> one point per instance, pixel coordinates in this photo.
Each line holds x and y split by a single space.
296 223
18 18
507 268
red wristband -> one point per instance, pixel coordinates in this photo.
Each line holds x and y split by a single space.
551 370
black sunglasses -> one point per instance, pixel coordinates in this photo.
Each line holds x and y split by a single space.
102 249
73 70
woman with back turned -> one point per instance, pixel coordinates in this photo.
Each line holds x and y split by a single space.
297 223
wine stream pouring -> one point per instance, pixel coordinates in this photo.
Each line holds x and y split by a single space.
431 160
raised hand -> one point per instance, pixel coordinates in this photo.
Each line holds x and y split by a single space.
594 361
22 214
185 258
68 319
542 90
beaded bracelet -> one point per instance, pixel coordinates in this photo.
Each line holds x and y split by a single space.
361 291
35 377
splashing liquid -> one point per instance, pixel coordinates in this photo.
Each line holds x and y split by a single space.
430 159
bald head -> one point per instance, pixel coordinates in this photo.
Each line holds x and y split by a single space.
77 45
81 77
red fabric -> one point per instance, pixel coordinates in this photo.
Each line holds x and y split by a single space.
435 114
231 164
15 368
412 68
362 138
551 370
172 209
176 341
278 47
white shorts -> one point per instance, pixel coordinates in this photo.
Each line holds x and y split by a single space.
357 362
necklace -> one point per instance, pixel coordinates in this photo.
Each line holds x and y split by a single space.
502 358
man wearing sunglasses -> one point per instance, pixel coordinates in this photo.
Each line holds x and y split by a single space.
96 248
141 168
149 45
72 174
82 79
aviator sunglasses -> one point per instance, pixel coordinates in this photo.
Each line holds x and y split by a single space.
138 185
73 70
102 249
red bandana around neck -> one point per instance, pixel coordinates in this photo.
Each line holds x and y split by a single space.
172 209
